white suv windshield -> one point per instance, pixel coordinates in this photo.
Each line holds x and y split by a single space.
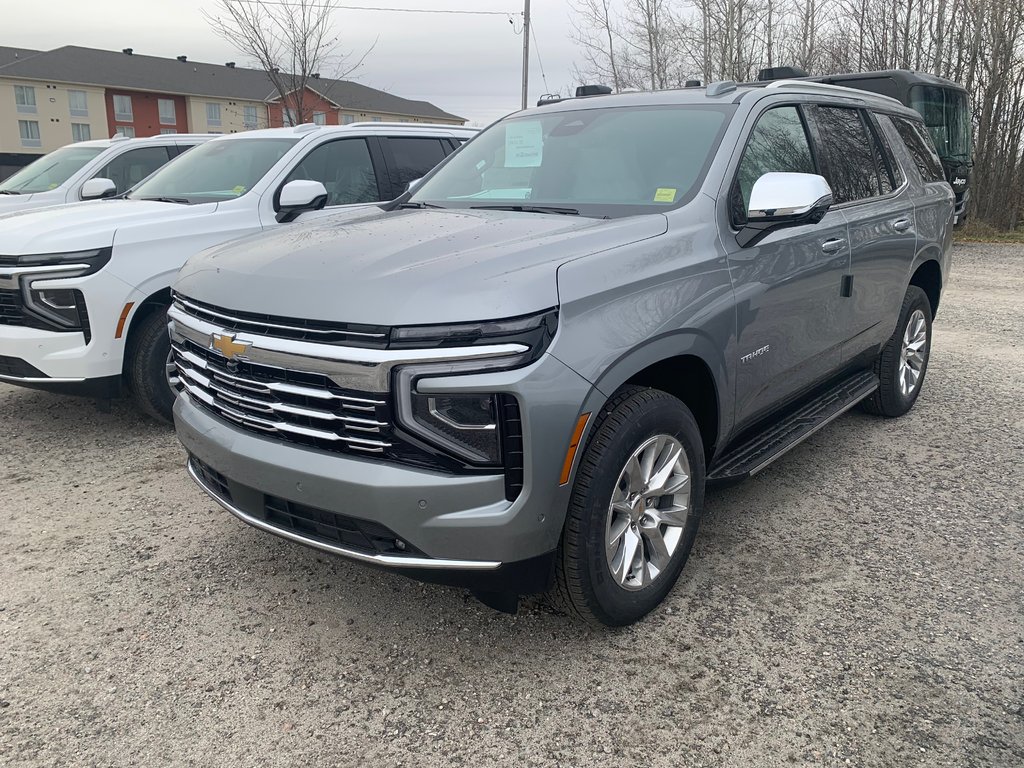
609 161
217 170
49 171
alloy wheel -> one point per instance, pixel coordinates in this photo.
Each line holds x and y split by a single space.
913 354
648 512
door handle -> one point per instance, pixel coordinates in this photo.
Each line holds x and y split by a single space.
902 225
834 245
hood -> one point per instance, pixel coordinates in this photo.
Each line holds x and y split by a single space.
11 203
80 226
405 267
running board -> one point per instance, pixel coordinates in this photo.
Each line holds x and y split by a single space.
751 457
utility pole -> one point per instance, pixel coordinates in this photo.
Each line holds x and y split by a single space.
526 52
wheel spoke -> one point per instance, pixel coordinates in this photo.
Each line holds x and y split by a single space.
675 515
634 474
657 550
647 460
665 467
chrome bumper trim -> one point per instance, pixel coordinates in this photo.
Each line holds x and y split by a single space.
38 380
364 370
390 561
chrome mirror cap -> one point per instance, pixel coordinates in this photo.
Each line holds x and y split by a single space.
788 196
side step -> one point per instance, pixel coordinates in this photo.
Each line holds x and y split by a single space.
762 449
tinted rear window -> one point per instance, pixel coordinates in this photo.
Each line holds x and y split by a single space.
919 143
849 155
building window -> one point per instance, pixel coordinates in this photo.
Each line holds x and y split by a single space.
249 117
320 118
125 130
25 99
78 103
348 119
29 130
375 119
123 109
213 114
166 131
80 132
167 116
288 117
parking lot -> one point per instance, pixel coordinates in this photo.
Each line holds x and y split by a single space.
861 602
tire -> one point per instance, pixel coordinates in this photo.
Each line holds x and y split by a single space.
146 366
592 582
893 397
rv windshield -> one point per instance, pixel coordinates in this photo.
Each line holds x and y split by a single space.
947 115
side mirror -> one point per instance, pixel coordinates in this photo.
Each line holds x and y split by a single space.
298 197
780 200
98 188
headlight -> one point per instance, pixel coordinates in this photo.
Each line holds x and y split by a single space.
474 427
56 308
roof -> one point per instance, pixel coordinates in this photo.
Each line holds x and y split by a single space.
360 129
10 55
111 69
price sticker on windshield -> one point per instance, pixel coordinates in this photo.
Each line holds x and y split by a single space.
665 195
524 144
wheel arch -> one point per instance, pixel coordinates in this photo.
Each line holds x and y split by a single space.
687 366
928 277
155 302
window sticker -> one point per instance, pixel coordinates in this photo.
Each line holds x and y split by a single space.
524 144
665 195
238 190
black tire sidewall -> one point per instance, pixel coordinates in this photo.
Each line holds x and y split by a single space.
611 603
916 299
147 375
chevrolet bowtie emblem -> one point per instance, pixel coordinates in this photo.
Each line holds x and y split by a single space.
225 344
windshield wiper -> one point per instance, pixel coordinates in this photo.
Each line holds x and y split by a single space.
529 209
181 200
9 192
420 205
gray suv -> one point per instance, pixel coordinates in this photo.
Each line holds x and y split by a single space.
522 375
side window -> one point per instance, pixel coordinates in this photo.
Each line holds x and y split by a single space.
885 156
344 168
921 148
412 159
778 143
129 168
848 152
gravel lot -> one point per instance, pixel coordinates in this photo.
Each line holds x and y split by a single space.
861 602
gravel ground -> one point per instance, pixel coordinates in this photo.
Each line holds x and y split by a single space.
858 603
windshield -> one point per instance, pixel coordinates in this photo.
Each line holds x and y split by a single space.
947 115
610 162
217 170
49 171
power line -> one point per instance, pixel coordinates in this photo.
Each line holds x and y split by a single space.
378 8
540 61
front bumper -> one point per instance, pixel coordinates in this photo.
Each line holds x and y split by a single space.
447 523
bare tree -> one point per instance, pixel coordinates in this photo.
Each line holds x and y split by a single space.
294 43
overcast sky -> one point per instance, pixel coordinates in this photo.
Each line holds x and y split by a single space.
469 65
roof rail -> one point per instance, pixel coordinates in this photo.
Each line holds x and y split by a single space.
845 90
365 124
720 87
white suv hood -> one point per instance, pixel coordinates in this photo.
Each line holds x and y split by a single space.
81 226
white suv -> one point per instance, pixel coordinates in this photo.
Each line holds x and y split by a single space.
89 170
84 289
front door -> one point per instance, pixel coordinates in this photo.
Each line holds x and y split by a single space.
789 307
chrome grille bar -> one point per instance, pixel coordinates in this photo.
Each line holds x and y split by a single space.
240 323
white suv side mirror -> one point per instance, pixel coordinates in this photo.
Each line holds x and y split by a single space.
95 189
299 196
780 200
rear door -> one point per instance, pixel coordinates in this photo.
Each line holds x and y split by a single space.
871 190
788 287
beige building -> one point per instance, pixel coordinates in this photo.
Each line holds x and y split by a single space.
52 98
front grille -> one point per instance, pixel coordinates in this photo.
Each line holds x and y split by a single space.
347 334
300 407
10 308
